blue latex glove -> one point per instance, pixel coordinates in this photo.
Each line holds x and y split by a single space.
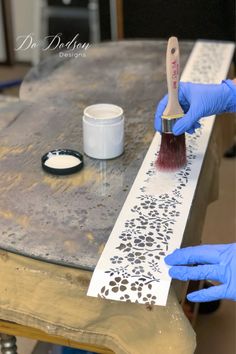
197 101
216 262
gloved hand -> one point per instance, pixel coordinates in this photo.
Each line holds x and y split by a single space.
216 262
197 101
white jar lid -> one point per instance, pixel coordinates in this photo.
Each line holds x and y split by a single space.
103 113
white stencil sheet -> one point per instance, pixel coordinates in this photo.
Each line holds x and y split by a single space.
152 221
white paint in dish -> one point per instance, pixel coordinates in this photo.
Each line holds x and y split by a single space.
62 161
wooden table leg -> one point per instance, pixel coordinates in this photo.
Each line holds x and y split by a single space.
8 344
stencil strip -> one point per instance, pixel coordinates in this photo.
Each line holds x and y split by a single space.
152 221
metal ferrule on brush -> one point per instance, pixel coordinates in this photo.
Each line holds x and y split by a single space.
167 123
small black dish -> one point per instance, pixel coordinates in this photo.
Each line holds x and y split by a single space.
61 170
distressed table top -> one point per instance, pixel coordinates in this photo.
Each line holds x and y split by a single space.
67 220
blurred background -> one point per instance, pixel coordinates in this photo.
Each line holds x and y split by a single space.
104 20
110 20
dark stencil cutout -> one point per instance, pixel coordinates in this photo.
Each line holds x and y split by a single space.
146 236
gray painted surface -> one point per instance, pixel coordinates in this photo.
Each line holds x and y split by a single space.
67 220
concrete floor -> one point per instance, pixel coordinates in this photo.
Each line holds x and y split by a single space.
216 333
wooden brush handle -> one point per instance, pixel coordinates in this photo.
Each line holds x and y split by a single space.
173 107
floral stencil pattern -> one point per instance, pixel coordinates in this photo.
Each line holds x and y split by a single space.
152 222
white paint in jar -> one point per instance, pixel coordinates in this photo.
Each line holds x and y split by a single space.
103 131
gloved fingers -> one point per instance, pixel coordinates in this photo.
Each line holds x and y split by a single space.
182 95
190 131
194 255
200 272
225 247
162 105
195 126
159 111
186 123
213 293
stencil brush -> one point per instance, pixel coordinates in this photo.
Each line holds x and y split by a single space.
172 154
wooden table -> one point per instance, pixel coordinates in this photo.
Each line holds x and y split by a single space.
41 215
11 330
